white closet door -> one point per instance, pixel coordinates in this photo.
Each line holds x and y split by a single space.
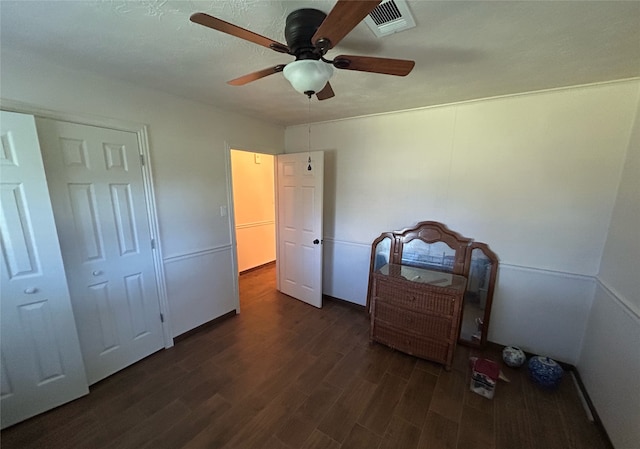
97 193
41 364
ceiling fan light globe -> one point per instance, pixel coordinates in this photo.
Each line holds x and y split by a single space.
308 75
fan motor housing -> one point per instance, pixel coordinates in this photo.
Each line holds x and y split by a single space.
300 27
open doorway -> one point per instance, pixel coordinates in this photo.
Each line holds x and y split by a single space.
253 185
294 238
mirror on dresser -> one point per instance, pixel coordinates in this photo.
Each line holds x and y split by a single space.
482 268
381 252
436 256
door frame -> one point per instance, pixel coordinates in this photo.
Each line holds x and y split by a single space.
231 212
141 132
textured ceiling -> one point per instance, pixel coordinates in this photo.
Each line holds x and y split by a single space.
463 50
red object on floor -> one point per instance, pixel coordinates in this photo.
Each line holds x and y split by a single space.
484 375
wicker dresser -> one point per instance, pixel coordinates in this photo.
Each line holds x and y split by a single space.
431 287
417 311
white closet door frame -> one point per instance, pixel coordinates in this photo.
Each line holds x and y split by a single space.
143 141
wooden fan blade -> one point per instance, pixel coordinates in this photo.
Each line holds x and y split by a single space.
398 67
212 22
256 75
343 18
326 92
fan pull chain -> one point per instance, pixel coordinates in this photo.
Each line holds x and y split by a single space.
309 133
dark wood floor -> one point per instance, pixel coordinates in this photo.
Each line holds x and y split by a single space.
286 375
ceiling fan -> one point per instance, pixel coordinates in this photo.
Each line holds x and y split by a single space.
310 34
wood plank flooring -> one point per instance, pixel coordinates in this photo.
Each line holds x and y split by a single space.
284 375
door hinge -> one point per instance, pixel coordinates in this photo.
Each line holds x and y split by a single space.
161 318
142 159
153 243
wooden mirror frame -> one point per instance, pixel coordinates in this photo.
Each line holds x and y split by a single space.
432 232
372 262
490 289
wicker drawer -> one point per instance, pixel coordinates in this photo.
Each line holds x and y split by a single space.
410 343
416 317
420 323
421 298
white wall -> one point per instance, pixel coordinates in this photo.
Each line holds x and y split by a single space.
188 151
534 176
254 208
610 360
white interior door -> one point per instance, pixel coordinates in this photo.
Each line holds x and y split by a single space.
97 193
300 178
41 365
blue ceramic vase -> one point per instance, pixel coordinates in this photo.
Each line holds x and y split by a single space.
545 371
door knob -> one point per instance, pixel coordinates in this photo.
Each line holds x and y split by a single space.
316 241
97 273
30 290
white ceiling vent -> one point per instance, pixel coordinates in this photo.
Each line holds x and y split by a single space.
389 17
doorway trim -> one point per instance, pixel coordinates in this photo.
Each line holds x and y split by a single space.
147 176
231 210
